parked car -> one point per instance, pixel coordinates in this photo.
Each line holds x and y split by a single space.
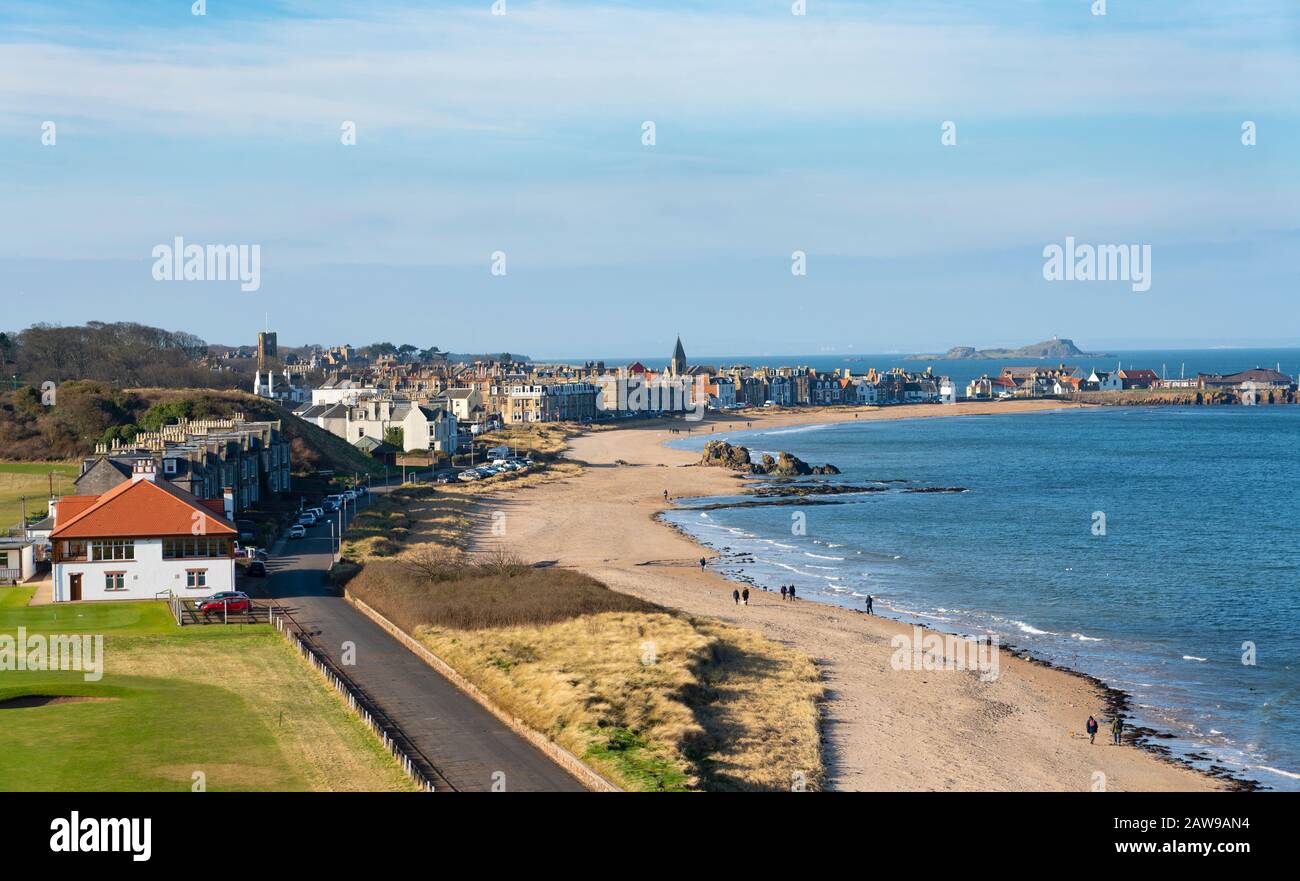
306 518
256 569
226 601
443 478
297 531
318 513
468 475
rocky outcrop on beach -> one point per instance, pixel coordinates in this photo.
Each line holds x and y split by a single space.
720 454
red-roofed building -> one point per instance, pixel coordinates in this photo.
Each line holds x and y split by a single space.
143 539
1139 378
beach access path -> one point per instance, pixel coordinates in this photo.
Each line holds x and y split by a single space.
884 729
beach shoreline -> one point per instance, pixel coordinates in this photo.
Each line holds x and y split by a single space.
882 729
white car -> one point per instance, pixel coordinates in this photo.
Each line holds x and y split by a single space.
297 531
467 476
307 519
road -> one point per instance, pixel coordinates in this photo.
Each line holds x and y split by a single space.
467 744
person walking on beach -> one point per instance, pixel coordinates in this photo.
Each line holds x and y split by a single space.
1117 728
735 597
745 596
792 593
783 591
665 495
701 564
1092 730
869 612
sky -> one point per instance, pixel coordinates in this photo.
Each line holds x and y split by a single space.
523 135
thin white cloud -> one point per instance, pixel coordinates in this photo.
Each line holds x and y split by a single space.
548 65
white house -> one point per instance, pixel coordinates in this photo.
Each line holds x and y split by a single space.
284 390
947 390
141 540
338 391
866 392
1104 381
17 559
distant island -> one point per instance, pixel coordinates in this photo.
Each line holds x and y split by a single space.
1055 349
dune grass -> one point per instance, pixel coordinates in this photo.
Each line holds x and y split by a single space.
650 698
232 702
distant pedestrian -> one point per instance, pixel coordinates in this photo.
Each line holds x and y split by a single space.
665 495
792 593
701 564
744 595
1117 728
869 612
783 591
1092 730
735 597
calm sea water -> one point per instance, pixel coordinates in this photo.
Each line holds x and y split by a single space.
1199 554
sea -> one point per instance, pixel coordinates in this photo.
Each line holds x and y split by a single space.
1152 547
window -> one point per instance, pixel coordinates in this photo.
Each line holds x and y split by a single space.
174 548
169 466
114 581
113 549
196 578
74 550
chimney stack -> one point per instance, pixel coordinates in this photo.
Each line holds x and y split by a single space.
228 502
144 469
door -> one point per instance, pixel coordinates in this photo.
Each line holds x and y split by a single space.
74 586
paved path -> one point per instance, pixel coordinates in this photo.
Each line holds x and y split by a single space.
465 742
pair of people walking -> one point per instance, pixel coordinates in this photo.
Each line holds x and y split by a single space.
1116 729
787 592
738 597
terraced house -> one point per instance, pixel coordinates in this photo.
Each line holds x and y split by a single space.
145 538
205 457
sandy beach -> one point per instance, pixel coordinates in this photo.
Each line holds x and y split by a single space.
884 729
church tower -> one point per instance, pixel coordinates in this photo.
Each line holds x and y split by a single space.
677 366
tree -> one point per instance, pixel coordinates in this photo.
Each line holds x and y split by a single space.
395 437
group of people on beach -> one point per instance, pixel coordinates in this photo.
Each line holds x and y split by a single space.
739 596
1116 729
787 592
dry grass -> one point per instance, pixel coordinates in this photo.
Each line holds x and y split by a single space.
652 699
540 439
439 588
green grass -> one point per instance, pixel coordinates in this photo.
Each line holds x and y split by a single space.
631 754
233 702
105 618
31 479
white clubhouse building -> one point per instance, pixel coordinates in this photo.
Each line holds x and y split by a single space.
141 540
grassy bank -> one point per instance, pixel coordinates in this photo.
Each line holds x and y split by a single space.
31 479
651 699
234 703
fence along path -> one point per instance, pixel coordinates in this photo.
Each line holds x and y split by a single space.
414 762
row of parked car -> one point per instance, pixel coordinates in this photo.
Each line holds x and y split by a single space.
496 466
329 505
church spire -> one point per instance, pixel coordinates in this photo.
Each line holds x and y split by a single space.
677 366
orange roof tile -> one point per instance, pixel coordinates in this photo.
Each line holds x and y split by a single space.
138 509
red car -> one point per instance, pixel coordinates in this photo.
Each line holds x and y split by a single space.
226 601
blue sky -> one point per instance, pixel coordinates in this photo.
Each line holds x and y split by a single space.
775 133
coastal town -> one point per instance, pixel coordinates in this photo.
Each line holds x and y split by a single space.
321 491
410 410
